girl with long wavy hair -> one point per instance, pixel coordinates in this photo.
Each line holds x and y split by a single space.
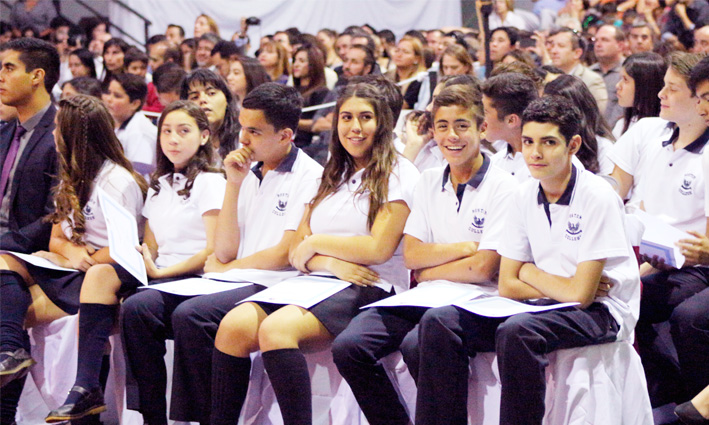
186 193
90 157
351 230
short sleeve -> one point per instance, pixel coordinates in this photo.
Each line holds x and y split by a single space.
209 189
417 225
121 186
302 194
605 215
515 241
402 182
494 229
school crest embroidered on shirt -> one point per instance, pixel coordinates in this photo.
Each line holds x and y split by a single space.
687 184
88 212
281 204
573 227
478 222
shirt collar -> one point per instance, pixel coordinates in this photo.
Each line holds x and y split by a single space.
286 165
32 122
125 123
695 147
475 180
565 197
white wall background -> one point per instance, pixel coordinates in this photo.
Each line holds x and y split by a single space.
308 15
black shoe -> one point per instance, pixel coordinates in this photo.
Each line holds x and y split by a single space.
90 403
689 414
14 365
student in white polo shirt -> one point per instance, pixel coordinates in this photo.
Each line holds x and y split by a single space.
451 234
504 98
671 184
564 242
262 208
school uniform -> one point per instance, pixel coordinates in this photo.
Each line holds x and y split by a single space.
671 184
585 224
342 213
63 288
440 215
268 206
430 156
139 136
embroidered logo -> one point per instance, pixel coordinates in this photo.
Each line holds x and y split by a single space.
687 182
573 227
478 221
88 212
281 204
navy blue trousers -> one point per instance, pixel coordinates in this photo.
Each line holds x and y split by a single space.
676 366
449 336
148 319
371 335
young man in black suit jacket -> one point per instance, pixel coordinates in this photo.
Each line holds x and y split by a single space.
28 164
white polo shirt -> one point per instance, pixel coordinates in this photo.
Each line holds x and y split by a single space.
271 205
587 223
139 138
430 156
514 164
122 187
344 213
605 165
176 221
670 183
472 213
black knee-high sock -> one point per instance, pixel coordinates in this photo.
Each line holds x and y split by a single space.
95 324
230 382
288 372
9 398
15 299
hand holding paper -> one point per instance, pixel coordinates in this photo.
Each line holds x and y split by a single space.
695 250
660 240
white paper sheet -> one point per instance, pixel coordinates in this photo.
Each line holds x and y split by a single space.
303 291
433 295
262 277
659 239
122 236
195 286
504 307
38 261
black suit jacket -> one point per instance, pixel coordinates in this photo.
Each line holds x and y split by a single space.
31 196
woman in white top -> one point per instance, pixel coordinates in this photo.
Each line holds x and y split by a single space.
90 158
352 230
640 101
504 15
184 199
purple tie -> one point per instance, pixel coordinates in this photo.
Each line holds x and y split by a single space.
10 158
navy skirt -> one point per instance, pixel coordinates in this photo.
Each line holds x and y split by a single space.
338 310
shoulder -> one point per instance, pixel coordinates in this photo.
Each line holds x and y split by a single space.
208 179
305 165
595 190
405 170
500 177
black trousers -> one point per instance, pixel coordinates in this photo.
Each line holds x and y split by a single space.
371 335
676 366
148 319
449 336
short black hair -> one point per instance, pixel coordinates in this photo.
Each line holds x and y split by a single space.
556 110
58 22
135 86
168 78
134 55
225 48
281 105
512 33
386 88
155 39
387 35
181 30
37 54
699 74
86 85
368 55
510 93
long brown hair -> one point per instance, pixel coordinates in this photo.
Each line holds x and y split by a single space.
85 141
316 70
201 161
341 166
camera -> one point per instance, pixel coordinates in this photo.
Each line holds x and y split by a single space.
253 21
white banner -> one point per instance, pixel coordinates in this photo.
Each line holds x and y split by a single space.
309 16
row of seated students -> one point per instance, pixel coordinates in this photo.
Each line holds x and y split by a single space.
532 223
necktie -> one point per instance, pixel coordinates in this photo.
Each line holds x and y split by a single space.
10 158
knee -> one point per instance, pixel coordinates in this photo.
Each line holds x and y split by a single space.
688 318
514 331
101 276
136 308
435 323
184 317
347 348
273 334
233 333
